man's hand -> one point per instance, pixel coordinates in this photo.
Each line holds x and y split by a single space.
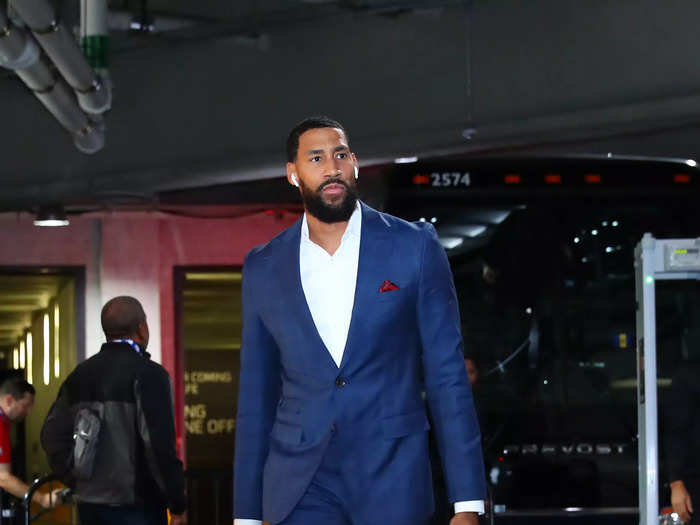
465 518
52 498
178 519
48 499
680 500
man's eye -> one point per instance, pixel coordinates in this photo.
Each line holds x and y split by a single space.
315 159
342 155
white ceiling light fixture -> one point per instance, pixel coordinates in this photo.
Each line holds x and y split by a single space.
30 358
47 350
464 230
405 160
449 243
469 133
473 230
497 217
51 216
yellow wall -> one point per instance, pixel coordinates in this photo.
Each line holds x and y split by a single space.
46 394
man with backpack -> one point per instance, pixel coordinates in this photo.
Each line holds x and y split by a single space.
110 433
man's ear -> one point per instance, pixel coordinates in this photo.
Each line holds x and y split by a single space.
142 331
292 177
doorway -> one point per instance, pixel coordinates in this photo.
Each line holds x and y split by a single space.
41 317
208 305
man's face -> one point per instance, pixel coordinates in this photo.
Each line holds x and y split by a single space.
18 409
325 169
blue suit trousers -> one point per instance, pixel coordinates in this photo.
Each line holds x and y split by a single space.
334 496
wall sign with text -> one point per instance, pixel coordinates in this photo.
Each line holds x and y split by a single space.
211 388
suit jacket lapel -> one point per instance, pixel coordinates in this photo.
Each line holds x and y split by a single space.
299 309
375 249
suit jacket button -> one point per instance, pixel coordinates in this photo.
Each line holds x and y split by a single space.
340 382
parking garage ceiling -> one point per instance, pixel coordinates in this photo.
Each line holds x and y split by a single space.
205 92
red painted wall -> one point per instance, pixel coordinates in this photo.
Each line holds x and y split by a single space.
134 253
197 242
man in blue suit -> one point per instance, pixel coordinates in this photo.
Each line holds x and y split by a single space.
350 323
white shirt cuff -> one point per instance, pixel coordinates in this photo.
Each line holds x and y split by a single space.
466 506
460 506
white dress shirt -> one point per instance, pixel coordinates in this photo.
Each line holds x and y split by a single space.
329 283
329 287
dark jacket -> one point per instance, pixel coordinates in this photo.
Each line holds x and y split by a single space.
682 425
135 462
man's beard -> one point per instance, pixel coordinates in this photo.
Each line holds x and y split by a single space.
329 213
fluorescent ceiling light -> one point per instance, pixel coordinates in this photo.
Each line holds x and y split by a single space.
51 216
464 230
495 216
473 230
51 222
405 160
450 243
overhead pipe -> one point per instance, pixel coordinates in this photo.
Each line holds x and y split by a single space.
20 53
94 96
94 38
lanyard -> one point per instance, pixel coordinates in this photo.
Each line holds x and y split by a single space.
130 342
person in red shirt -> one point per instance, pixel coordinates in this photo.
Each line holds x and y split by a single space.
16 401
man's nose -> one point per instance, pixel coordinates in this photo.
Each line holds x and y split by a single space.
332 170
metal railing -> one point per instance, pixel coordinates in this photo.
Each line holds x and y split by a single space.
64 497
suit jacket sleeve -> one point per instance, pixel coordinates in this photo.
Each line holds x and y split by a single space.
259 393
447 387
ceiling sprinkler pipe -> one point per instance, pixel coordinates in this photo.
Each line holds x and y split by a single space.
60 102
93 95
17 51
94 39
91 138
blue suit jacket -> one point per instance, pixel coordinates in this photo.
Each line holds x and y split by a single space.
400 344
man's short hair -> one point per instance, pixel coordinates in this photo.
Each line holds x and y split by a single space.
304 126
17 387
121 317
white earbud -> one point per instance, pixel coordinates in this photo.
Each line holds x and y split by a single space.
294 180
356 172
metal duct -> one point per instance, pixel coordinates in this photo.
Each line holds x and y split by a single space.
93 96
19 52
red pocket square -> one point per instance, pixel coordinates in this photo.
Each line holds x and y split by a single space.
387 286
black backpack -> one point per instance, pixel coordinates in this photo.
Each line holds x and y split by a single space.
86 437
